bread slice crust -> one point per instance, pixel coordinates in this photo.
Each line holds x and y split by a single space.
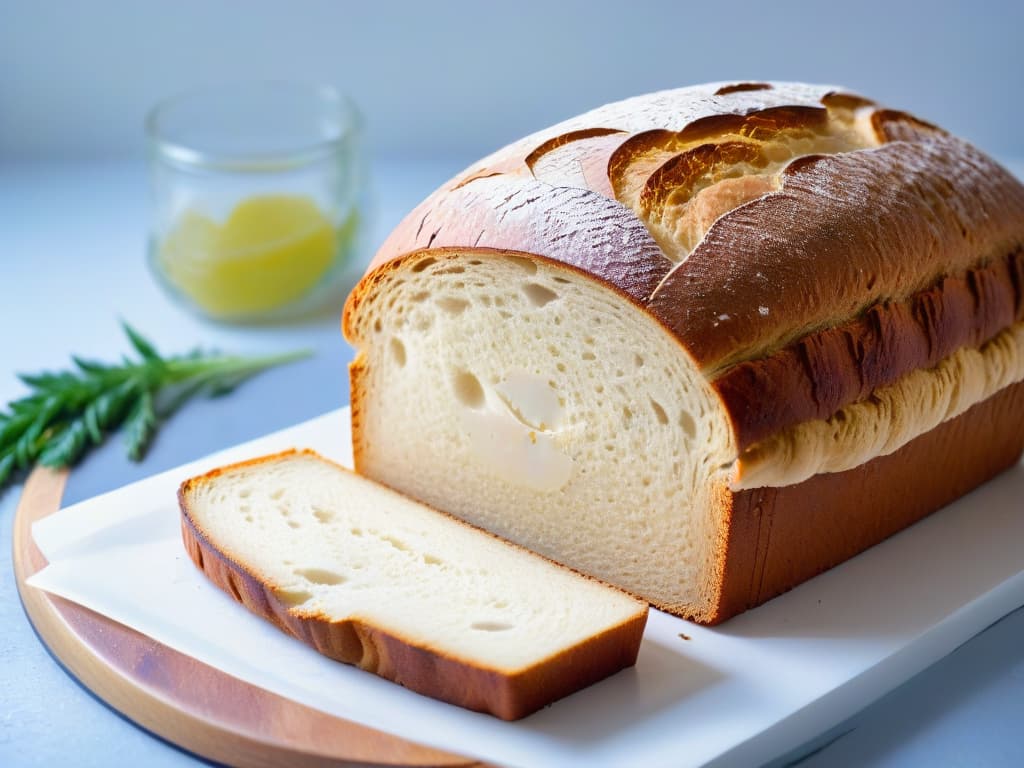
412 664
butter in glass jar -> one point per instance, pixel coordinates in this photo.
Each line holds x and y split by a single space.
256 199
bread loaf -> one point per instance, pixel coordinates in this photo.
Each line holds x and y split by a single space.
374 579
702 344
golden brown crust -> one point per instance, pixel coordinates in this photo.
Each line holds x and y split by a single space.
671 110
779 537
675 177
577 227
822 372
844 232
425 670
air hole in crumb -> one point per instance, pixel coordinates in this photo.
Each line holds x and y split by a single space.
294 524
562 280
451 305
277 494
688 424
396 543
320 576
527 264
450 271
475 263
538 294
398 351
468 389
248 518
431 560
356 531
491 626
560 367
627 412
659 412
378 326
323 515
638 361
419 266
293 597
589 356
421 296
245 493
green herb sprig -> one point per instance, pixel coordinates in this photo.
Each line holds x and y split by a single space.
69 412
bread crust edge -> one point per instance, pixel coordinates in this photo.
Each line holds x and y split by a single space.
780 537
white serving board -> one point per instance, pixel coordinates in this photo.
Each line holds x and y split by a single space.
744 692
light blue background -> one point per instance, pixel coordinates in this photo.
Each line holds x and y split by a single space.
440 84
462 78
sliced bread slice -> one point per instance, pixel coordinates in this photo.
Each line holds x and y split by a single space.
369 577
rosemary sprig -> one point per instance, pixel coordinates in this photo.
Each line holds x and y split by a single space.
69 412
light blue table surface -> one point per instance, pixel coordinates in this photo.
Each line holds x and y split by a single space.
71 262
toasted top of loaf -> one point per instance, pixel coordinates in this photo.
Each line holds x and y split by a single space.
798 241
373 578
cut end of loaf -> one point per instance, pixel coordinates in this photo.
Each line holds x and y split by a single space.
546 397
371 578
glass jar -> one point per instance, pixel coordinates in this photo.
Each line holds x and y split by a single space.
256 199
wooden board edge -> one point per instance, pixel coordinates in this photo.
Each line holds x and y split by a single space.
59 624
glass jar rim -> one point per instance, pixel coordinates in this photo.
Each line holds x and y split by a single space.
342 121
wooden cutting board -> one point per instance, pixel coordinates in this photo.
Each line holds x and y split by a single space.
180 699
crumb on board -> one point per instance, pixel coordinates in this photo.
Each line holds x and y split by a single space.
684 636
